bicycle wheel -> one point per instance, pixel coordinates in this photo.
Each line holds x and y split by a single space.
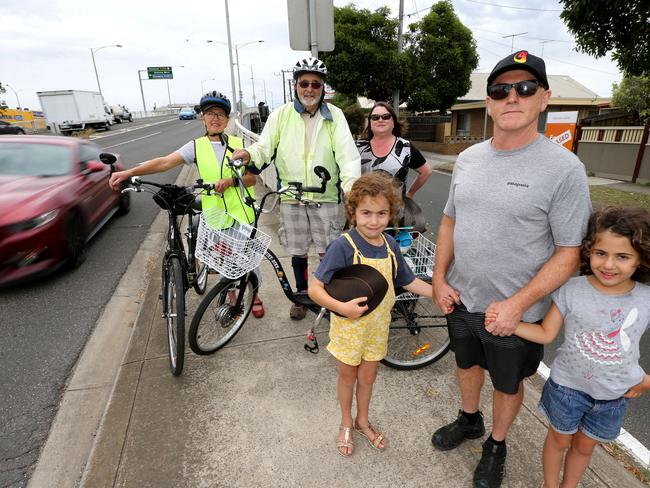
418 334
218 319
201 282
175 313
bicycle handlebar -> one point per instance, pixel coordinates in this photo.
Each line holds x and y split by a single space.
137 182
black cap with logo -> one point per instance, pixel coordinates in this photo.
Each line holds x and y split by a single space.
521 60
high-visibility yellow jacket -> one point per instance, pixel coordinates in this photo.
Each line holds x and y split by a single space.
212 171
282 142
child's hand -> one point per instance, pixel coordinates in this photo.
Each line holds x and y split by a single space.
490 318
637 390
353 309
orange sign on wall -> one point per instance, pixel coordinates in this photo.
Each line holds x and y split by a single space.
561 128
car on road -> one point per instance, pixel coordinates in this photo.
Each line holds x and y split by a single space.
121 114
7 128
186 113
54 197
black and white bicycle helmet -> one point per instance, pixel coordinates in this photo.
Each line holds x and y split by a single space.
309 65
215 99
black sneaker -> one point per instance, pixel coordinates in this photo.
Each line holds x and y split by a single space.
451 435
492 467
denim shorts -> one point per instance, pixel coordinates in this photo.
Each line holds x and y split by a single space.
569 410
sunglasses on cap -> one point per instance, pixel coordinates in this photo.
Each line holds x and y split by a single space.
316 85
499 91
376 117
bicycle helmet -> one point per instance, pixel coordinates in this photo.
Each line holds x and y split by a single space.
215 99
309 65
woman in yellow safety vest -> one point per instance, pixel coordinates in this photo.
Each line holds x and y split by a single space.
209 153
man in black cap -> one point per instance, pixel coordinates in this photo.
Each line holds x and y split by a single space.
516 214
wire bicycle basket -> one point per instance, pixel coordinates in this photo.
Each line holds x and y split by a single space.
224 244
420 257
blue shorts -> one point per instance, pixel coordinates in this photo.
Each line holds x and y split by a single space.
568 410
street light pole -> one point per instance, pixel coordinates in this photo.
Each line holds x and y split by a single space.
15 93
169 97
207 79
238 100
144 105
93 50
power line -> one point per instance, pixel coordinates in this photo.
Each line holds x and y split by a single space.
493 5
517 8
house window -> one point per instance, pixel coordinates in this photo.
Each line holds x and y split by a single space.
463 124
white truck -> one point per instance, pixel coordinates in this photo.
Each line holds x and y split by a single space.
68 111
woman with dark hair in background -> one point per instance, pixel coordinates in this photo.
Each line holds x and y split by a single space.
382 147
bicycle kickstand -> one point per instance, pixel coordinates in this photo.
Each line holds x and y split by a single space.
312 341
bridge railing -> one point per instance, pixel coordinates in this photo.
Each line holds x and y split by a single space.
269 175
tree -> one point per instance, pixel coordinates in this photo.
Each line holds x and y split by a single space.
620 26
354 114
365 60
633 94
431 72
442 55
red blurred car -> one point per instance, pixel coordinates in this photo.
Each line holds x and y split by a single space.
54 196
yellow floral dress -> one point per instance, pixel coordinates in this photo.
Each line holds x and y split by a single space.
352 340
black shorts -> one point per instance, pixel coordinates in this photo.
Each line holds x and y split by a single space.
508 359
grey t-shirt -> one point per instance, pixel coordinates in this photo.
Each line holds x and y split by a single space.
511 208
188 154
600 353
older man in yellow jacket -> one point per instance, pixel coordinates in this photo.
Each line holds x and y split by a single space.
298 136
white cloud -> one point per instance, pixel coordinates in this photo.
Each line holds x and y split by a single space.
46 45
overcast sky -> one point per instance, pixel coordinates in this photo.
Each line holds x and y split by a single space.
46 45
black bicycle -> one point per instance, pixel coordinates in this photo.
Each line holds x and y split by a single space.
180 269
418 331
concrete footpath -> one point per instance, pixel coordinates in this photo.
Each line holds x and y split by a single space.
262 412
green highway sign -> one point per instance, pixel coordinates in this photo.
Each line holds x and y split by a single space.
160 73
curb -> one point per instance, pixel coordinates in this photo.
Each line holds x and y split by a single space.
91 385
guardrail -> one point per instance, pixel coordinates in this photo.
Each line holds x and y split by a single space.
155 113
269 176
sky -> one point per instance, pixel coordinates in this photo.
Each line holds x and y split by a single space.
46 45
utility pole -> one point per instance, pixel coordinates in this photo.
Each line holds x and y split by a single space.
512 43
399 51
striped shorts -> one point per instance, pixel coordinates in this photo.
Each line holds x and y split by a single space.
302 225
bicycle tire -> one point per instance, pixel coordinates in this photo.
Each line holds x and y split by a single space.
417 336
175 314
216 322
201 282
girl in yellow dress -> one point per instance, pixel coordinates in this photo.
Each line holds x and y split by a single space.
358 341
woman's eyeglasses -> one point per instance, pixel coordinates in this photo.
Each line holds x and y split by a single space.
316 85
376 117
214 115
524 89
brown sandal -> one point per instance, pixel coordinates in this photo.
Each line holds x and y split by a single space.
376 441
346 443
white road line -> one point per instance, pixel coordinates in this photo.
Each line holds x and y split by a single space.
130 129
625 440
133 140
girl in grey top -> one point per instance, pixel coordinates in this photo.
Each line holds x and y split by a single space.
604 313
